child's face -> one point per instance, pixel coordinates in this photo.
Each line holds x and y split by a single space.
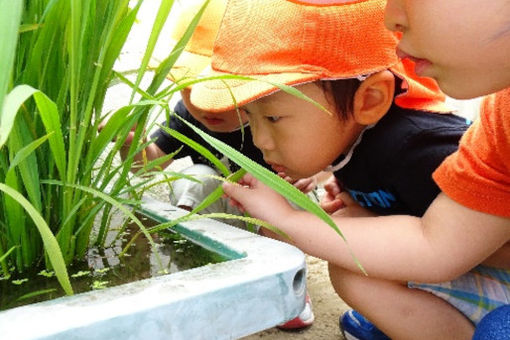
227 121
297 137
463 44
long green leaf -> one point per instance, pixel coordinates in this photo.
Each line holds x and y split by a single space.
49 116
13 102
167 64
4 256
51 120
163 11
24 152
49 240
10 18
199 148
115 203
217 193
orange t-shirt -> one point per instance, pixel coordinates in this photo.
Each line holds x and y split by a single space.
478 174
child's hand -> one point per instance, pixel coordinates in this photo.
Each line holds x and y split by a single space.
129 137
332 200
339 203
304 184
259 200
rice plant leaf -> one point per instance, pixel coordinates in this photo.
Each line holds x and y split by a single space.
28 28
11 105
51 120
197 147
109 132
49 240
14 214
132 85
154 164
23 153
49 115
167 64
217 193
36 293
10 19
113 202
20 136
120 34
161 16
4 256
194 217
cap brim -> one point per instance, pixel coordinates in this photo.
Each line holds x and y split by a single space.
187 67
217 95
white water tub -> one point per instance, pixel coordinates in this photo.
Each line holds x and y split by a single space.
262 285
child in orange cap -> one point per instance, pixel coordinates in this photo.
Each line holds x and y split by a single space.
468 60
230 126
224 125
380 137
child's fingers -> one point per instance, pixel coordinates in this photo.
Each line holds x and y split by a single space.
347 199
236 194
306 184
332 206
332 186
236 204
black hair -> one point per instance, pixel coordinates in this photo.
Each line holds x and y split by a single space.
342 92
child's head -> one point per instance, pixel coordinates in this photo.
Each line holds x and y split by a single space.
223 122
195 60
300 138
463 44
343 55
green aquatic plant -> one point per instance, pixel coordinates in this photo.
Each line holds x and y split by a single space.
57 174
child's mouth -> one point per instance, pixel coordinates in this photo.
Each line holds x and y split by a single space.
421 65
278 168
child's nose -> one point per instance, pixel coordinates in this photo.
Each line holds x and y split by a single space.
395 15
262 139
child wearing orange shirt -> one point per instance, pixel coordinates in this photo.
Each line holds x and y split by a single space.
397 251
469 61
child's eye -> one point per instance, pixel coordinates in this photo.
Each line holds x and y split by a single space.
273 119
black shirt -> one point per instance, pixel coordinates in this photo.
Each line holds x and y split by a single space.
390 170
235 139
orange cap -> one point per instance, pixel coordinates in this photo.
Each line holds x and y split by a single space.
196 56
293 42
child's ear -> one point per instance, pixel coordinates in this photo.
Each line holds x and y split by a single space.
374 97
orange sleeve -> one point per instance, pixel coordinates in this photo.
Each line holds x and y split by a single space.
478 174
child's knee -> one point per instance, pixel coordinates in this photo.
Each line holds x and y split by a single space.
343 281
186 192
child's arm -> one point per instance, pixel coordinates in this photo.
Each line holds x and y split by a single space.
448 241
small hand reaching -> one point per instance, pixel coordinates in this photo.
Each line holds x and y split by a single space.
259 200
